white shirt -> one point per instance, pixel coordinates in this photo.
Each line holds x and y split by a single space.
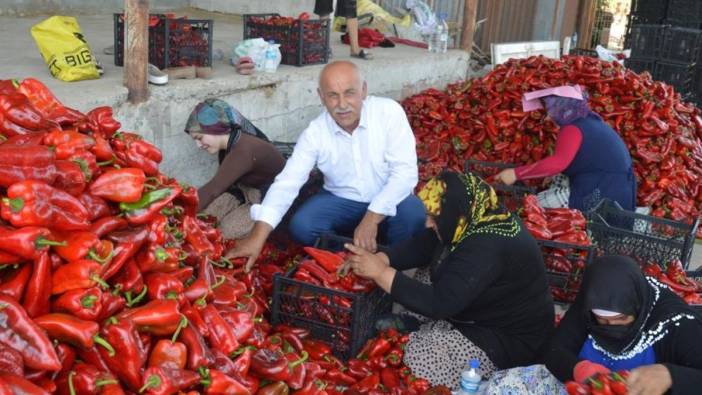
376 164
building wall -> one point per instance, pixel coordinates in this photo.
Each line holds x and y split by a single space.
40 7
283 7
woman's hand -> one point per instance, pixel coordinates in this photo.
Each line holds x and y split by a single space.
506 176
375 267
649 380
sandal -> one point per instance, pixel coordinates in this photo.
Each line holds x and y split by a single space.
362 55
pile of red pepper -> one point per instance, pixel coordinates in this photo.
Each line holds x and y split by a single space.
482 119
286 31
675 277
613 383
111 283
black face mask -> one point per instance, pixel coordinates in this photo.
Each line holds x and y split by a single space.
613 332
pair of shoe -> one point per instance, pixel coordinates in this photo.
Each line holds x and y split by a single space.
156 76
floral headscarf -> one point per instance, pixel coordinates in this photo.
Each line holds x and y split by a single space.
465 205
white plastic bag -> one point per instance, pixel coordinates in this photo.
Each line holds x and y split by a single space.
255 48
611 56
425 20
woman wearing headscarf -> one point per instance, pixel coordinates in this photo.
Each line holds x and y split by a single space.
484 294
245 154
591 155
622 320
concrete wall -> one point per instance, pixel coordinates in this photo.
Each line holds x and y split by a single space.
73 7
283 7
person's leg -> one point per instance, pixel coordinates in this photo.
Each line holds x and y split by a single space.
347 9
324 213
409 219
323 8
352 29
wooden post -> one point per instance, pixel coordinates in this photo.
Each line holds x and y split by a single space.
136 51
470 10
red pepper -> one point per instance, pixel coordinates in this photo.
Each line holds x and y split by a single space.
221 336
157 229
106 225
126 364
241 323
68 142
312 387
196 237
34 203
150 204
11 361
14 384
160 317
100 122
270 365
190 200
69 177
379 348
296 366
328 260
166 381
163 286
12 284
69 329
394 357
19 332
217 383
316 349
97 207
91 356
17 109
136 152
83 273
318 272
277 388
358 369
130 281
120 185
199 355
336 376
24 162
85 379
46 103
85 304
122 254
28 242
367 384
103 151
169 354
38 290
77 244
158 259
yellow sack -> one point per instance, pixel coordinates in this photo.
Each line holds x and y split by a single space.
64 49
379 14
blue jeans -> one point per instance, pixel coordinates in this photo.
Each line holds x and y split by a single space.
327 213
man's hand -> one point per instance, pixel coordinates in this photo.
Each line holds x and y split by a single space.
649 380
251 246
506 176
375 267
366 232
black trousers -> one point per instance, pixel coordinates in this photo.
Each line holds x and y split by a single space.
344 8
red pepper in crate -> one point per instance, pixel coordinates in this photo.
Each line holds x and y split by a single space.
327 259
34 203
83 273
68 142
120 185
150 204
318 272
28 242
17 109
26 162
85 304
166 381
19 332
46 103
126 364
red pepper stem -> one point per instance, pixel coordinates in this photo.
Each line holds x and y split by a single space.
40 241
139 297
107 162
205 374
16 204
241 350
152 382
94 256
182 324
95 277
104 382
88 301
104 343
161 254
220 281
304 357
71 389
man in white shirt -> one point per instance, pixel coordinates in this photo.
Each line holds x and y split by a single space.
365 149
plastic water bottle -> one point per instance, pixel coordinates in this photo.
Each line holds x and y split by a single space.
269 65
470 379
443 34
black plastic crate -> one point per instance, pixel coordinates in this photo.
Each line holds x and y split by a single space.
681 45
645 41
173 42
583 52
684 11
511 196
302 43
647 239
564 284
679 75
688 24
640 65
322 312
649 11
